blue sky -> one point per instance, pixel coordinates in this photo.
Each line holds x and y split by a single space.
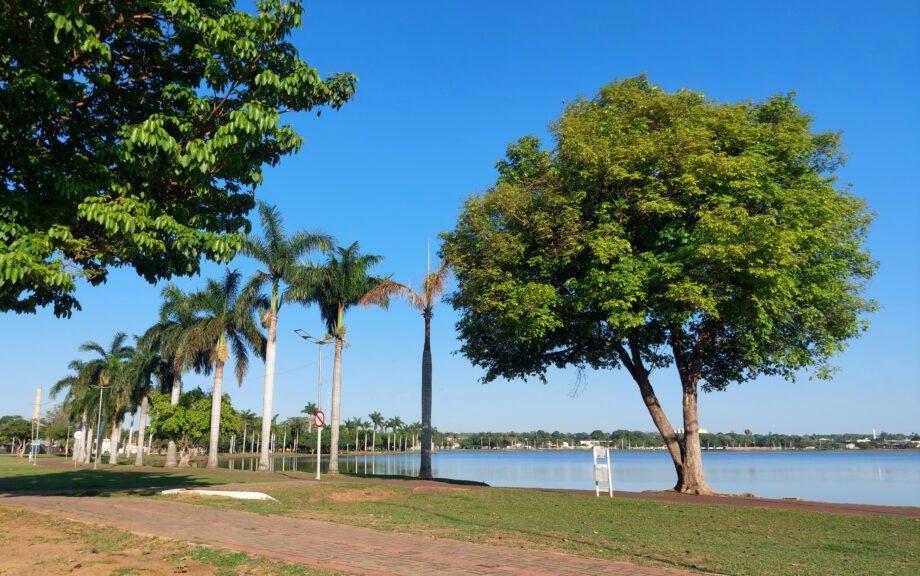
444 87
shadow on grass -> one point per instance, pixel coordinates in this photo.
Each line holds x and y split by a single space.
99 482
403 477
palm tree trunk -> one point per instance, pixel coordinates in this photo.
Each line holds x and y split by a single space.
336 401
216 394
374 440
172 453
269 389
424 470
113 442
141 430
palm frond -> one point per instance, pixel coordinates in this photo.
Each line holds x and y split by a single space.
382 293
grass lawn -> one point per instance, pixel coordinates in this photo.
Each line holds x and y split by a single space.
57 474
716 538
37 544
713 538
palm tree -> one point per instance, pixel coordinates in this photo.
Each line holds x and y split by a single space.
149 363
348 424
395 424
280 257
224 323
79 399
310 410
104 372
377 420
359 424
169 335
336 286
248 418
424 300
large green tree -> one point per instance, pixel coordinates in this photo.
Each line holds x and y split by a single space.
189 420
134 134
665 229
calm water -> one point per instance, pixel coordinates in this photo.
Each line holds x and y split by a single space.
867 477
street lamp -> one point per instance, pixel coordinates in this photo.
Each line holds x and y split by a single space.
98 428
319 390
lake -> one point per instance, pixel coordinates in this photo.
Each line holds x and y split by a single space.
889 477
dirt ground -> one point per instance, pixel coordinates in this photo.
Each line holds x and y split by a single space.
35 544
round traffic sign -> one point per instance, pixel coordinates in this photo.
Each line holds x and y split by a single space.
78 435
319 419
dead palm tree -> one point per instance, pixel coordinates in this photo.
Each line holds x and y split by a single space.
336 286
279 256
424 300
224 323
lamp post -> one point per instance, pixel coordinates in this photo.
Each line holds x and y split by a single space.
98 429
319 390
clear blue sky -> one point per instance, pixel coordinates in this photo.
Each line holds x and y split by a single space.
444 87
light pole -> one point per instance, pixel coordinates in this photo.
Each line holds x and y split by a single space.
319 391
98 429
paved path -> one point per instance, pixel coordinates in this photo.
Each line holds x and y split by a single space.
322 544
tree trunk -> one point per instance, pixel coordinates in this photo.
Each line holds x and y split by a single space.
663 424
216 394
141 430
172 452
692 480
113 442
336 401
374 440
424 470
269 388
124 449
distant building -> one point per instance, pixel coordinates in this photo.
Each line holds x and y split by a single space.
681 431
592 443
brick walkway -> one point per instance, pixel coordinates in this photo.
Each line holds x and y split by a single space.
334 546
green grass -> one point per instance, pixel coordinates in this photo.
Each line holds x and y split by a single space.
56 475
712 538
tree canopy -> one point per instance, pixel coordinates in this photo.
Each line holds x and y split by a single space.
134 133
190 420
664 228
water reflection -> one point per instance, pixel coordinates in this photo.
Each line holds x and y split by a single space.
872 477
